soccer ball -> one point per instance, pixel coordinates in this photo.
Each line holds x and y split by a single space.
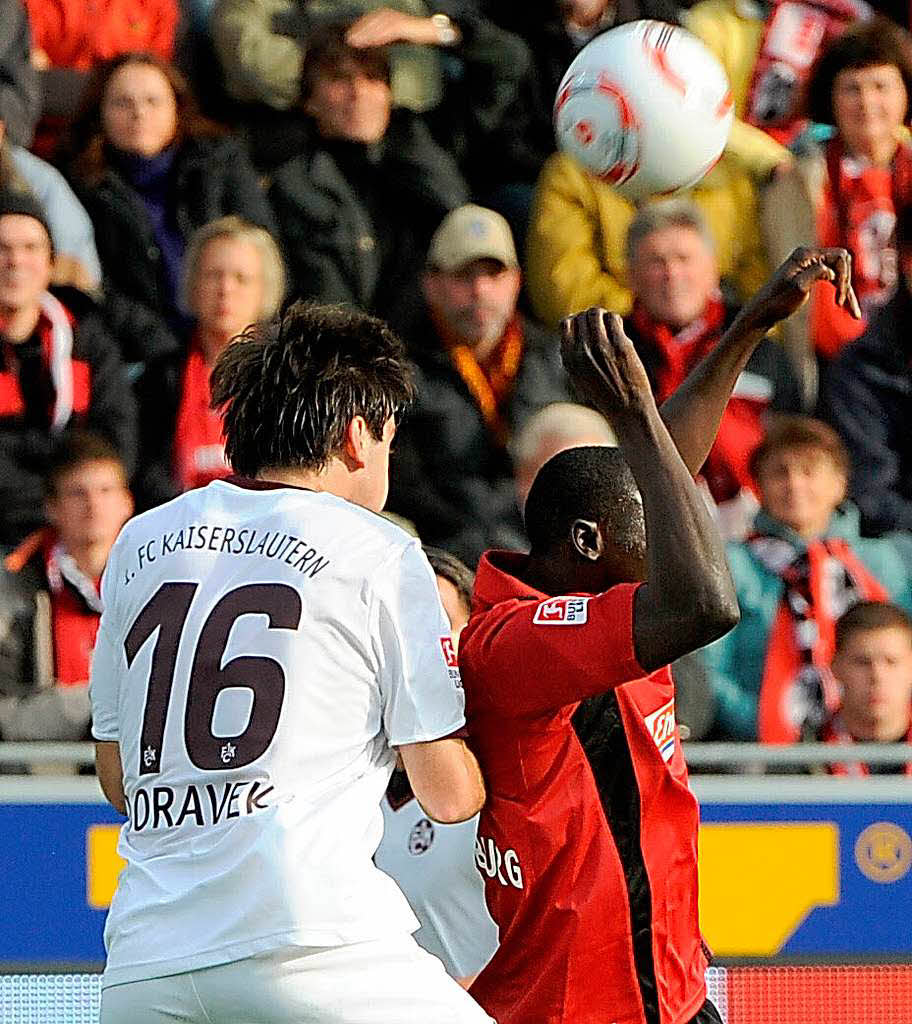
645 107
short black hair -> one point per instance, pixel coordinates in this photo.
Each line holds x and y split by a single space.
870 615
877 42
288 390
455 571
75 449
590 482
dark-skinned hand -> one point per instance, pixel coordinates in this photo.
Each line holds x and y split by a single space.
790 286
603 364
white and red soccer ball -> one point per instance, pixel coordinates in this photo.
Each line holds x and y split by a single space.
645 107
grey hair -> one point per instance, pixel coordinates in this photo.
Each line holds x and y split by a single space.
679 212
565 421
237 229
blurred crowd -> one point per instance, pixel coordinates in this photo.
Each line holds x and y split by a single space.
172 173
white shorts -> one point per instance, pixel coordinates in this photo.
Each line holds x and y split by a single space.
389 981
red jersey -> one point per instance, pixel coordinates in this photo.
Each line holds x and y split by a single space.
588 839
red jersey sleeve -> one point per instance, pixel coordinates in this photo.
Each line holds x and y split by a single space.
530 657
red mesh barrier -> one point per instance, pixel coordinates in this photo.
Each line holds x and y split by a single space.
819 995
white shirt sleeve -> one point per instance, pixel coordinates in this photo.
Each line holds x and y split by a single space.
421 690
108 661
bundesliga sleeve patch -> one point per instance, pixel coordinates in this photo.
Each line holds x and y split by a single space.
449 651
452 664
562 611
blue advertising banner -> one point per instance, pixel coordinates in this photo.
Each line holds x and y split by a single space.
47 870
806 868
789 869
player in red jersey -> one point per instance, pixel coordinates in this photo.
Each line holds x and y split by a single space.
588 840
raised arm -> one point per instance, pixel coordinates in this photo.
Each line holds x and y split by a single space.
688 598
693 413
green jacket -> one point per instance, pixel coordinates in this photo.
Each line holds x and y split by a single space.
260 46
736 661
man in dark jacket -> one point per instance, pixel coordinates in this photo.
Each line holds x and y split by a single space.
483 370
867 395
58 369
49 602
357 207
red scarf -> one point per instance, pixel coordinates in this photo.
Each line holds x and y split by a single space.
835 732
75 604
68 380
858 212
199 449
673 356
819 585
793 36
75 613
677 353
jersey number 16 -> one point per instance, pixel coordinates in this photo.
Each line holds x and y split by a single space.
167 612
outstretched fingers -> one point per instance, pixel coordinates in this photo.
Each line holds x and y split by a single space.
833 265
841 262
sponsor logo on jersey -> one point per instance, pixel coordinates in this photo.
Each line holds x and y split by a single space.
562 611
421 838
661 726
504 867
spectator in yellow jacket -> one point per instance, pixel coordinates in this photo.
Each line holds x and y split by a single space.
767 48
733 31
575 251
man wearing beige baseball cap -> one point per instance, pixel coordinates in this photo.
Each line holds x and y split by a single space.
483 369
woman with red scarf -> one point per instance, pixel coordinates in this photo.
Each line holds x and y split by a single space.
233 278
848 191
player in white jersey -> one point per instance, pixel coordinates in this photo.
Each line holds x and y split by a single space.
267 644
434 864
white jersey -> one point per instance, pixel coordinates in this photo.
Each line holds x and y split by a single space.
260 652
434 866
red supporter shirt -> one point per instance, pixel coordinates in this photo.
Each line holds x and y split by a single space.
82 33
588 839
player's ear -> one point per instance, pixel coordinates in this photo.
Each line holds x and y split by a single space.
357 437
587 539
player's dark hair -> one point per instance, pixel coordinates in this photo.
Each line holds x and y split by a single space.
791 433
867 44
75 449
592 482
289 390
870 615
456 572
